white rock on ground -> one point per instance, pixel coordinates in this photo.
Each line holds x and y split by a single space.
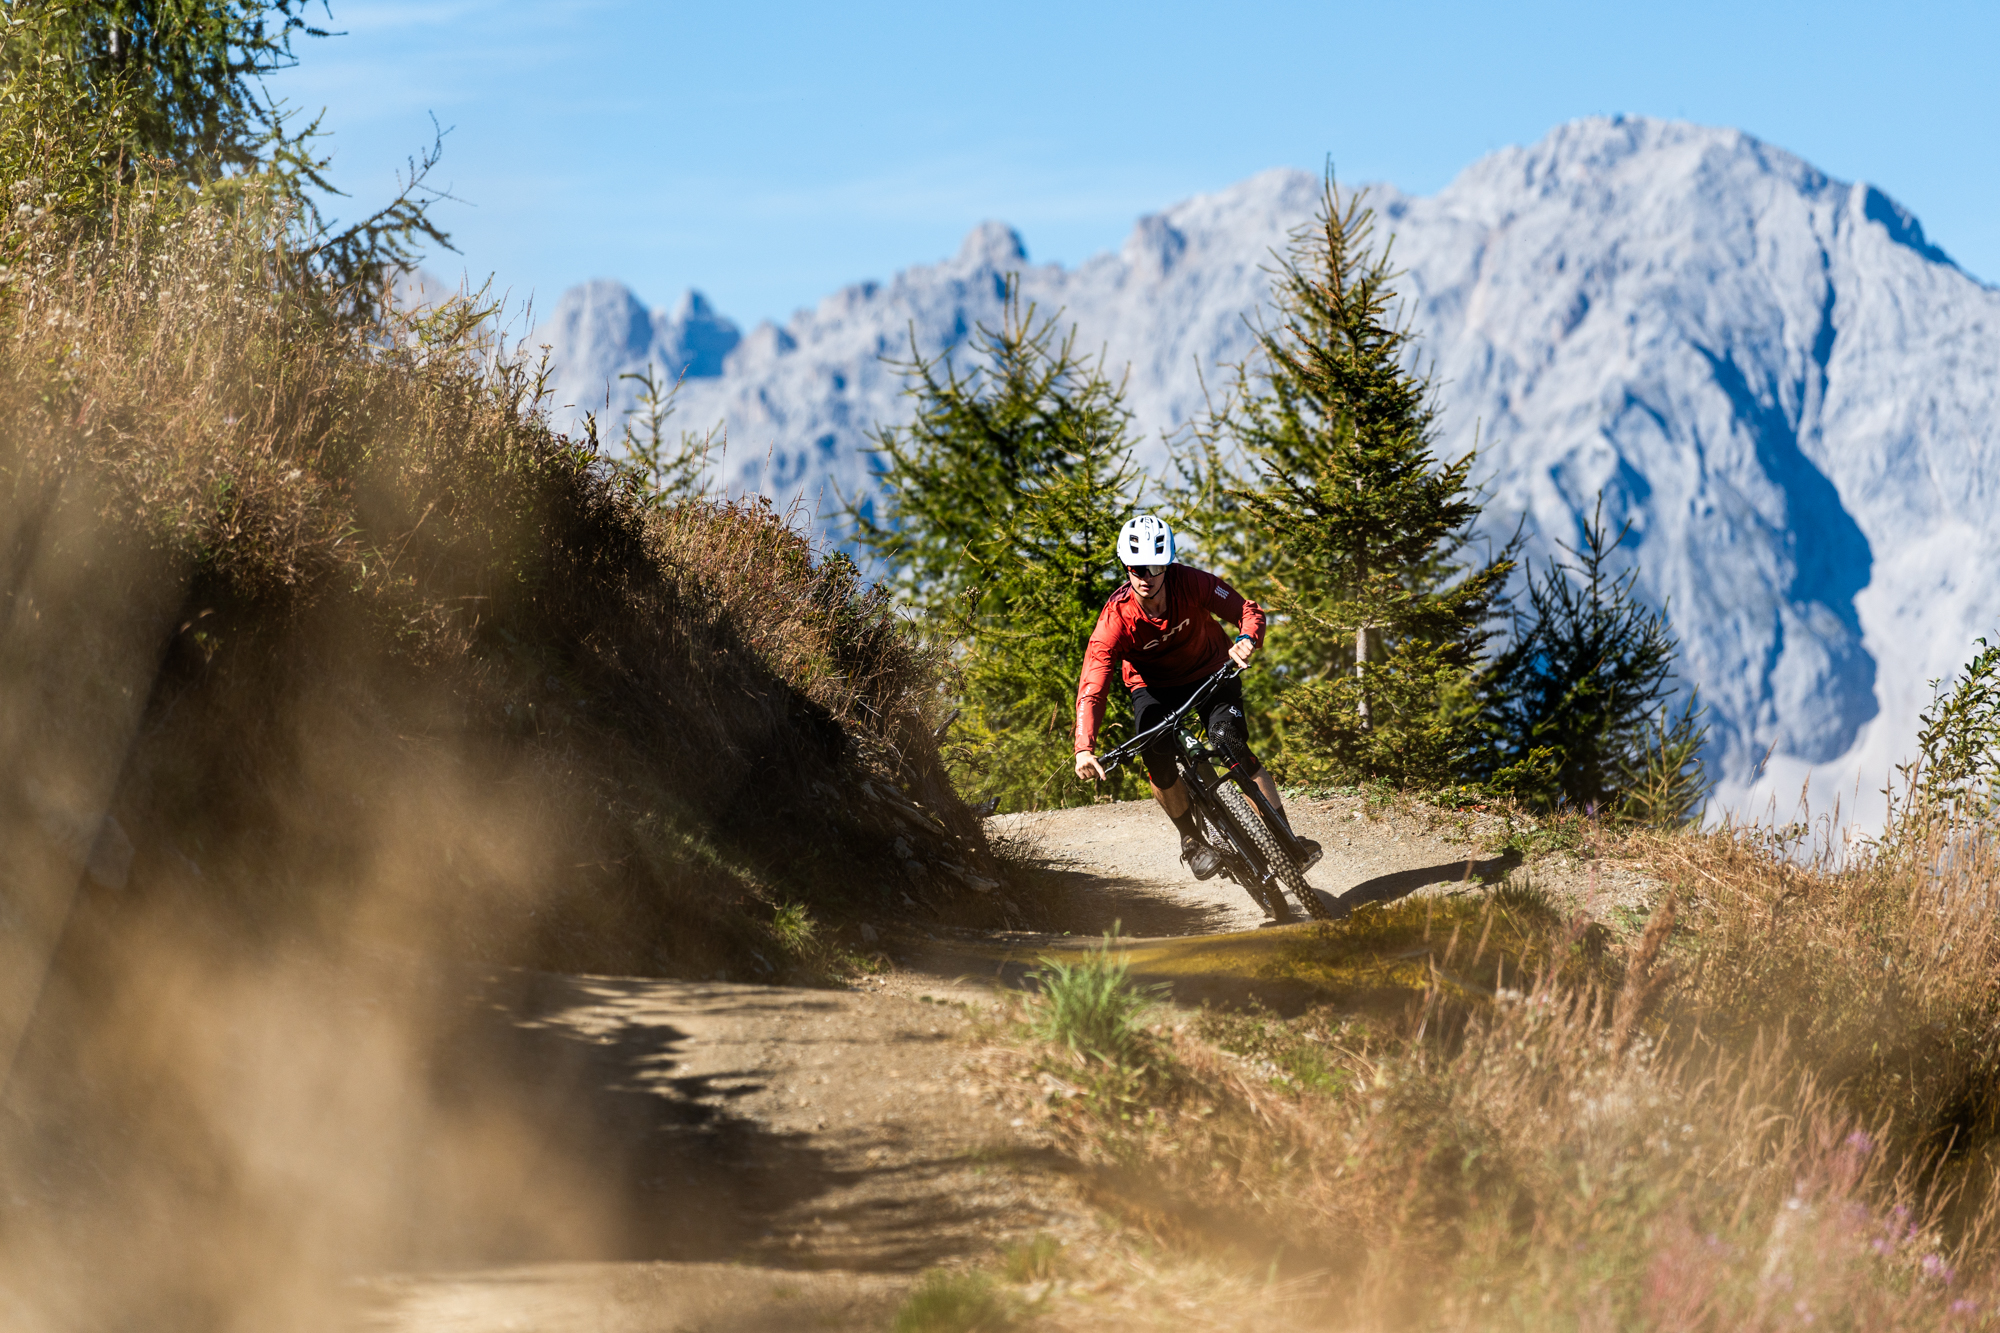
1774 376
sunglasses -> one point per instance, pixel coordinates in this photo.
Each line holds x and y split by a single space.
1146 571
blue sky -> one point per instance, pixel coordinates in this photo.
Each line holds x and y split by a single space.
769 153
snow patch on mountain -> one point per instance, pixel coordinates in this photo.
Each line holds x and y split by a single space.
1775 377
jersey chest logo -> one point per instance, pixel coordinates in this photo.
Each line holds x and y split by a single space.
1168 635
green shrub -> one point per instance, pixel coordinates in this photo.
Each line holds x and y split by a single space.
1091 1005
947 1302
792 927
1036 1259
1955 778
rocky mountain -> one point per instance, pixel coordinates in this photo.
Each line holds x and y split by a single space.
1775 377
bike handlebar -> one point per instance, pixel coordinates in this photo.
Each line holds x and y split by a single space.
1125 753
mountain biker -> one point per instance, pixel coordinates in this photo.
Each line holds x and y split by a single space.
1161 629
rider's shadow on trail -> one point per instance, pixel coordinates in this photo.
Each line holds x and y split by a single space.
1396 884
1093 903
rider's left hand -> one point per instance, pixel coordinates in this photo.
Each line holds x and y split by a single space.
1239 653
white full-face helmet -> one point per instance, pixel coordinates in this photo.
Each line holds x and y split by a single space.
1145 540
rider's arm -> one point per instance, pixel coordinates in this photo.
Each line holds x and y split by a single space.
1100 662
1249 617
1233 608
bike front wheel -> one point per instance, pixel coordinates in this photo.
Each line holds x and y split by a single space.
1239 809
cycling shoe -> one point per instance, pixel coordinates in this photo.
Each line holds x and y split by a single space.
1201 858
1313 853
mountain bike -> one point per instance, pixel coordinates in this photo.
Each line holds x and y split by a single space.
1258 849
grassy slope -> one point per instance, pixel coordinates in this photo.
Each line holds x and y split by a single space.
355 622
1777 1112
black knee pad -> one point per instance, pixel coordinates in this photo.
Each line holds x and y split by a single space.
1232 733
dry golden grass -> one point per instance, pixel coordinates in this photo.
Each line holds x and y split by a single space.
354 558
1772 1108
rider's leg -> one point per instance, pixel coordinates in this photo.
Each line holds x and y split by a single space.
1201 858
1228 726
1148 709
1173 797
1269 787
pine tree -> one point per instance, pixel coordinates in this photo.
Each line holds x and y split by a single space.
1318 485
108 96
187 75
1953 782
1002 500
1581 700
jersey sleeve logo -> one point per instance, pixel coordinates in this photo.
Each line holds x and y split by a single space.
1222 590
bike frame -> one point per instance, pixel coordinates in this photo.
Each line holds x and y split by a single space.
1196 761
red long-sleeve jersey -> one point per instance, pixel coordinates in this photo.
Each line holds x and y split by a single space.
1183 647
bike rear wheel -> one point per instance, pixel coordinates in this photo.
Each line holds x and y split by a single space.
1239 809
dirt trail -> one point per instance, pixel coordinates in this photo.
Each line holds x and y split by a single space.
763 1158
779 1158
1124 858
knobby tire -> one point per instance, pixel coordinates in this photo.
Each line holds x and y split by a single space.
1260 835
1260 893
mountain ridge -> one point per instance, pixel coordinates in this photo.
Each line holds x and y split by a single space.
1775 377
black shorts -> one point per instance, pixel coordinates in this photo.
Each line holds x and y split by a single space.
1222 714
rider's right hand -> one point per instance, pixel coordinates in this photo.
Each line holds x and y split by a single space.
1088 767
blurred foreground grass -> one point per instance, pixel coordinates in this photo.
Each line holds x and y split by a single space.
1772 1107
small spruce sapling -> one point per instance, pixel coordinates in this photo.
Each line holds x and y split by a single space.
1580 704
662 471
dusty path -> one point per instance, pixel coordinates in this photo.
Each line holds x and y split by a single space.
737 1158
1124 860
750 1158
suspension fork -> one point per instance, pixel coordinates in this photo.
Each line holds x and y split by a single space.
1203 790
1257 878
1280 827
